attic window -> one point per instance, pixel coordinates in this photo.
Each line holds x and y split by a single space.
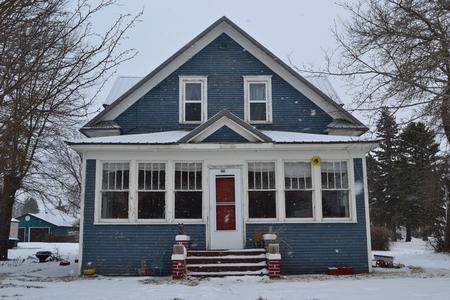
258 99
193 92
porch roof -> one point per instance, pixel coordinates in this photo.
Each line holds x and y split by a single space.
177 137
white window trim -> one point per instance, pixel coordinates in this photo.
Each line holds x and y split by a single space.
176 220
313 190
351 194
267 80
98 195
183 79
247 198
136 208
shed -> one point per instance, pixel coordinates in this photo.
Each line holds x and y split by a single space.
47 226
13 233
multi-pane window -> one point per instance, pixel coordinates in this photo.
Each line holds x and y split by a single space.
335 190
193 99
258 98
188 190
151 190
298 190
261 190
114 192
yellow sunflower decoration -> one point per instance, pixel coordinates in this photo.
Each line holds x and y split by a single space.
315 160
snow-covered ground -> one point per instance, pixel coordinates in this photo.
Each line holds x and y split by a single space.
426 276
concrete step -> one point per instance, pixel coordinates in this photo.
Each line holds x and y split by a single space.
261 272
225 262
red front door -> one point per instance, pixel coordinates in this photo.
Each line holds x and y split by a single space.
225 204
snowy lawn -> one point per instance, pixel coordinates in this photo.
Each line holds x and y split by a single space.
427 277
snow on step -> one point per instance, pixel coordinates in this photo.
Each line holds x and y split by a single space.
262 264
262 255
229 273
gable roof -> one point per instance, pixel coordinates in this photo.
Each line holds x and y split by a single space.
244 129
57 219
223 25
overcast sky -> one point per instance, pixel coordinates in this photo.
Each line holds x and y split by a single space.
299 29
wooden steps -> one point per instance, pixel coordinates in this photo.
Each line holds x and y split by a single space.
220 263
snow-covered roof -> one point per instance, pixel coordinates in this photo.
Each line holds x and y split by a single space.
165 137
120 86
173 137
124 83
323 84
15 220
305 138
56 218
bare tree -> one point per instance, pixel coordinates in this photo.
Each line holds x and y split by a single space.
49 61
396 54
56 180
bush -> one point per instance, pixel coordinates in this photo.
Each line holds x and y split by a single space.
381 238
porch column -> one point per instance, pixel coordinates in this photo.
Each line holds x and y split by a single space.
273 260
178 261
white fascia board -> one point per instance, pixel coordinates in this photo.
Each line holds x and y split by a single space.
246 44
360 148
225 121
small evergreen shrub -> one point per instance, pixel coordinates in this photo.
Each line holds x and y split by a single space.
381 238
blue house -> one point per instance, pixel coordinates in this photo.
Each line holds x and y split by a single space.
45 226
231 142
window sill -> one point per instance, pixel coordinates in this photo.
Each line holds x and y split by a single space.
192 122
301 221
259 122
174 222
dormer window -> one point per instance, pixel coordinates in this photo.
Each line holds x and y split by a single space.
193 94
258 99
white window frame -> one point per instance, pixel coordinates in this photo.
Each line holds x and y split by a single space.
136 208
312 189
351 193
247 189
183 80
202 190
267 81
98 202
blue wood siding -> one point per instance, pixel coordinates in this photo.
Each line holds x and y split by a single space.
312 248
39 223
305 247
225 63
126 249
225 135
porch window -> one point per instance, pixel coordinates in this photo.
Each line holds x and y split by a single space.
261 190
298 190
188 190
152 191
114 192
193 99
258 99
335 190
